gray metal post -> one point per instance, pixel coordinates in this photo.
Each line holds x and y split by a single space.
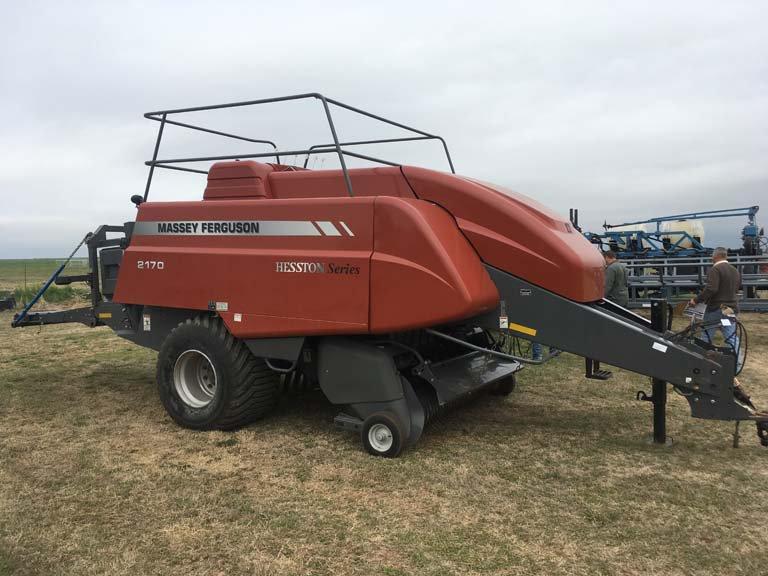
659 393
154 158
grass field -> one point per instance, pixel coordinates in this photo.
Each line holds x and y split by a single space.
23 278
36 270
555 479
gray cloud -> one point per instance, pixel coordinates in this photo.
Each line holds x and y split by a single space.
625 110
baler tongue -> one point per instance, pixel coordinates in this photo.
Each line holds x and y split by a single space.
604 332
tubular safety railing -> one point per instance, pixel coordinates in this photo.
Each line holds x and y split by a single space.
335 146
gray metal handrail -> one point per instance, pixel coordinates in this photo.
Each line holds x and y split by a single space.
336 146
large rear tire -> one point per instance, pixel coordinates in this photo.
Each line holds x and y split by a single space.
209 380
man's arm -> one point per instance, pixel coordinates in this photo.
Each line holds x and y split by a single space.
710 289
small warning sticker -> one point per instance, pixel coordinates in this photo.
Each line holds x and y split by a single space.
238 317
725 322
222 306
503 322
660 347
147 322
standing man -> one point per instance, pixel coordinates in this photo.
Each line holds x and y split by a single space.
615 279
719 294
616 291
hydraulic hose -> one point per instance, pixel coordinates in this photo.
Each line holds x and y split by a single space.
485 350
740 334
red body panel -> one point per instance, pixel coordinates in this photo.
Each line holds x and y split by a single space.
228 180
241 270
423 270
387 181
384 260
517 234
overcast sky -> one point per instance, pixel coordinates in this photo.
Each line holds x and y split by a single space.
624 110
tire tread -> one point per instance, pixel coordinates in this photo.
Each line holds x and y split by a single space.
254 387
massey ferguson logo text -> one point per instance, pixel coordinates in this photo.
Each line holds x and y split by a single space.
208 227
317 268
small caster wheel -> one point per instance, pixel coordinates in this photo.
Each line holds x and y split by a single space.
504 387
382 435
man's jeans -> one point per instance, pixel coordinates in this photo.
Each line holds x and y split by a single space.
536 350
713 321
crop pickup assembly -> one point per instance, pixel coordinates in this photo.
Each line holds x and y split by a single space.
391 288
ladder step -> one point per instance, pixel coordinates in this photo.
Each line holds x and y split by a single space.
593 370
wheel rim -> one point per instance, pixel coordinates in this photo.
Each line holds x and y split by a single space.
194 378
380 437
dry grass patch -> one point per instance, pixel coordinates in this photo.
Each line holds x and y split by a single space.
555 479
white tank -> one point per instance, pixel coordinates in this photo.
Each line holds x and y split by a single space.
633 228
694 228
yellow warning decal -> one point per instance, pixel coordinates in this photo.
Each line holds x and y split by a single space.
104 315
523 329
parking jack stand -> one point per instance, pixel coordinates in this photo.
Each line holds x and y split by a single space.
659 399
658 396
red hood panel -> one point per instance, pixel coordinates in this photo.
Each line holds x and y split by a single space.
516 234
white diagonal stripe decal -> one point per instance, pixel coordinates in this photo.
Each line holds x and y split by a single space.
346 228
328 228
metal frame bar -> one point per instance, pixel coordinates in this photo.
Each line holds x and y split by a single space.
336 146
399 125
219 133
181 169
477 348
651 243
363 142
748 211
675 278
163 163
154 157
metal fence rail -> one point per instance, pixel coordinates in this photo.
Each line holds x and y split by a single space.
677 279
